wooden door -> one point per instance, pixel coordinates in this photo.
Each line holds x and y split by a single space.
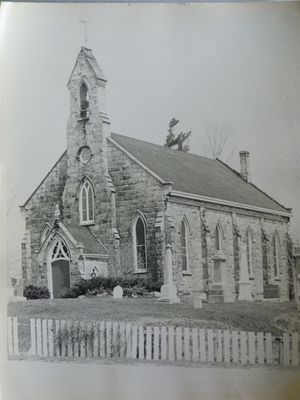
60 277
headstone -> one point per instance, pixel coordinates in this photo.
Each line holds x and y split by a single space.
168 290
117 292
245 286
197 301
15 294
19 288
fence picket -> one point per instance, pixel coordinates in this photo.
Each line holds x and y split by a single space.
195 344
163 336
286 349
260 348
83 339
122 340
156 343
251 339
186 335
115 344
50 337
39 337
178 331
269 350
202 345
134 342
64 337
10 335
219 346
243 338
102 339
57 344
108 338
45 338
235 350
141 343
96 340
226 346
295 349
32 350
76 338
148 342
171 343
89 340
210 345
128 340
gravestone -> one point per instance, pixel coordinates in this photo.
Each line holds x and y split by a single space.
15 294
168 291
117 292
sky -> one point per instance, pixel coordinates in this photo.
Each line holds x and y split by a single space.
224 68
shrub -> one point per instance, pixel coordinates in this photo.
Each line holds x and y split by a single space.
36 292
131 284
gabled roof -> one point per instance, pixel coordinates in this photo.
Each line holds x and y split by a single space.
82 234
91 61
194 174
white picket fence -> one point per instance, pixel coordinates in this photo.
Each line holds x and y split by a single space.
119 340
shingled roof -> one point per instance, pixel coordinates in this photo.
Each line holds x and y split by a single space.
194 174
83 235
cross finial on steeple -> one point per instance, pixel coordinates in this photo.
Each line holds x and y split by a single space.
85 26
57 212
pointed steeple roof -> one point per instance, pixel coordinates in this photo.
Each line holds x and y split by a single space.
92 62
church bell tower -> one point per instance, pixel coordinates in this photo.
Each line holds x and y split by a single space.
88 197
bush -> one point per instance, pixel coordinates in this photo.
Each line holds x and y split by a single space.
36 292
131 284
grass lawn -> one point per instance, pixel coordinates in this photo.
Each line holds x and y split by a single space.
256 316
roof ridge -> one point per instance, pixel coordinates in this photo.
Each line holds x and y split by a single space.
252 184
165 147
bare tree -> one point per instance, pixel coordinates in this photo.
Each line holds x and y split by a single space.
218 142
180 140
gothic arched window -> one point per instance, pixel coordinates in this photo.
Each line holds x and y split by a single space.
84 100
275 255
218 238
139 244
249 246
184 245
86 203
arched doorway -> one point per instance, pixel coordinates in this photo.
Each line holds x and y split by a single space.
59 280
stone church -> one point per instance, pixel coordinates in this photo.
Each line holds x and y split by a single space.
111 204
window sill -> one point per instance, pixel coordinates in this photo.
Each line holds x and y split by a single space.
186 273
251 278
219 257
87 223
142 271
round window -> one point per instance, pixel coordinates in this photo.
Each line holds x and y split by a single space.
85 155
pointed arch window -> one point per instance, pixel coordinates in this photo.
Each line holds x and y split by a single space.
275 255
249 247
86 203
60 250
139 244
184 245
218 238
84 100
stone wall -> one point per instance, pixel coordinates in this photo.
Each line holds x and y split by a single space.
234 223
136 191
39 210
192 279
